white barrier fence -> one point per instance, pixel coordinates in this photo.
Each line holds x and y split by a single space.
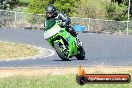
10 19
104 26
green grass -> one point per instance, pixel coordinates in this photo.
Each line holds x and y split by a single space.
52 81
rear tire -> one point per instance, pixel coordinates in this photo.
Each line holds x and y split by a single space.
60 52
81 55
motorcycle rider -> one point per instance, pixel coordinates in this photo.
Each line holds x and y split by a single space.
52 16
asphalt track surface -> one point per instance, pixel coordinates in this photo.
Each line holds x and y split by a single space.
101 49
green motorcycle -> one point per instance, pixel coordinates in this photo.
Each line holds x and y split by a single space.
64 43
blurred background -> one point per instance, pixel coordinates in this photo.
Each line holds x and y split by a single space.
97 16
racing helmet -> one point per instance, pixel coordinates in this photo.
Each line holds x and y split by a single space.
50 11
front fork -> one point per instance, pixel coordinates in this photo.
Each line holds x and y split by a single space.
63 46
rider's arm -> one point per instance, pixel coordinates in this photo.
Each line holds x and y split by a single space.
65 19
61 16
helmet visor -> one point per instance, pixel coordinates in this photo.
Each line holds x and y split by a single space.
49 14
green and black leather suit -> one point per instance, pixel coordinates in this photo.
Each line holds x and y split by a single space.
66 22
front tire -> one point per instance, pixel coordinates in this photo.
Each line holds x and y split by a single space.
81 54
60 51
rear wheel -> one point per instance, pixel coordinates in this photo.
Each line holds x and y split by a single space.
61 51
81 54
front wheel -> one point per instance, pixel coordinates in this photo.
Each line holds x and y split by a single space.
62 53
81 54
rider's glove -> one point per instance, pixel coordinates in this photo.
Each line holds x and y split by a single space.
63 24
